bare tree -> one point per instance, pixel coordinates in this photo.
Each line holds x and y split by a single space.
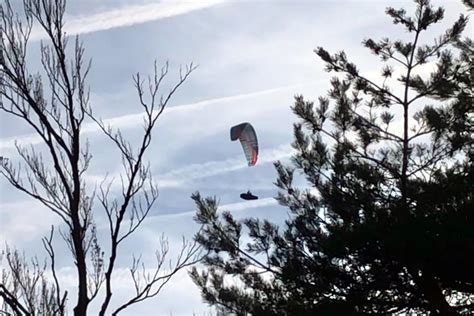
55 104
25 288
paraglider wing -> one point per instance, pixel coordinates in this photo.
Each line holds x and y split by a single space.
248 139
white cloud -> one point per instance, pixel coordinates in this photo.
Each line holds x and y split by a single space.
180 289
135 120
179 176
127 16
232 207
20 224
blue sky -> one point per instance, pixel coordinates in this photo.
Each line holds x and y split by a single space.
253 57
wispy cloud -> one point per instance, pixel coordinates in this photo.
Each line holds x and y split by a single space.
18 224
128 15
135 120
180 176
232 207
180 289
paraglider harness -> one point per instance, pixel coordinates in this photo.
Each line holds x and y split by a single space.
248 196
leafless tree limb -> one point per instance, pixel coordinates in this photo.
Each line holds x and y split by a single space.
55 104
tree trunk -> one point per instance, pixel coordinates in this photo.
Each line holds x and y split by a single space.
435 296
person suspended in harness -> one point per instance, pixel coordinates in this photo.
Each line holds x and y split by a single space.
248 196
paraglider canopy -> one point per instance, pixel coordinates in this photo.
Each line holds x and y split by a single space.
248 196
248 139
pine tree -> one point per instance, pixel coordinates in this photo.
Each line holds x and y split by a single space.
386 224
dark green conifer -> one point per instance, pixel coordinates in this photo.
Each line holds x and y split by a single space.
386 224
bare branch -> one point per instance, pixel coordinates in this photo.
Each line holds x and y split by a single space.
149 283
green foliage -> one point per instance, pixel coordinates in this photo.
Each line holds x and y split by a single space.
387 224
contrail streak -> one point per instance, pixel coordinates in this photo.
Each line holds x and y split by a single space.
127 16
135 120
